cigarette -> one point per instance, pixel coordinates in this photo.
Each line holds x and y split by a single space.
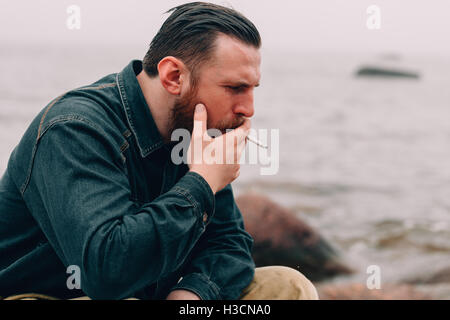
257 142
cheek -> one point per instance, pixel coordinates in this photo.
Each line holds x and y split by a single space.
215 96
218 102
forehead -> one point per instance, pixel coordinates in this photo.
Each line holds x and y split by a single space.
234 60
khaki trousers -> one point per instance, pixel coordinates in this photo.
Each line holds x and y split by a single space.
279 283
269 283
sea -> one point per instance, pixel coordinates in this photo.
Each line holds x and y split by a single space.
365 161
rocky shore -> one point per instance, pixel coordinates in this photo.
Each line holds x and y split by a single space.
282 238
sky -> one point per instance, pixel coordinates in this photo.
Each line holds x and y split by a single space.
313 25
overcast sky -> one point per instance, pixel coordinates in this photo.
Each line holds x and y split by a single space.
340 25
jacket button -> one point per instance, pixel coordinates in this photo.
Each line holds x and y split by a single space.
205 217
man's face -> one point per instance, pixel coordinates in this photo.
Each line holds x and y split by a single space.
224 85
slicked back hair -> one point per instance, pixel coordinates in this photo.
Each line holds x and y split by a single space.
189 34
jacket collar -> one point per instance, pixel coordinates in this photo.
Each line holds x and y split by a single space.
137 110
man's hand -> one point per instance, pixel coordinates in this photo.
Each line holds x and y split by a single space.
182 295
218 175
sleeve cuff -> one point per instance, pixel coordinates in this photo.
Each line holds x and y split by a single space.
195 188
199 284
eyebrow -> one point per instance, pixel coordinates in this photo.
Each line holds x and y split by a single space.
239 84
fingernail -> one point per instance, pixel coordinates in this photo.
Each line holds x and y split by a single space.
199 108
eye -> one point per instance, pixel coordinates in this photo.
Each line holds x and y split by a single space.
238 89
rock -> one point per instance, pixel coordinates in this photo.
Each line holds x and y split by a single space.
378 71
280 238
357 291
437 277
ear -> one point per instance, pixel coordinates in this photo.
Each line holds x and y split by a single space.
172 72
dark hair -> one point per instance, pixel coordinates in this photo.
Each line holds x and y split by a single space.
190 32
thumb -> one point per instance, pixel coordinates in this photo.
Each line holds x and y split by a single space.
200 120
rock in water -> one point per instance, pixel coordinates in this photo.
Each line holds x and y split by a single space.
386 72
283 239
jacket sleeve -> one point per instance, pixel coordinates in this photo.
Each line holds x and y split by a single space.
91 222
221 265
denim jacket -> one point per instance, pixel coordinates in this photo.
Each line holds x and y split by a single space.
91 184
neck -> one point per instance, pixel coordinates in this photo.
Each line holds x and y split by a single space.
159 102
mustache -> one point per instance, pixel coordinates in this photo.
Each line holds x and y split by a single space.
238 122
234 124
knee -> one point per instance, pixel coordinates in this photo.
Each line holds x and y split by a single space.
280 283
295 285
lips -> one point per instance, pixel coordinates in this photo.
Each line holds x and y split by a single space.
237 123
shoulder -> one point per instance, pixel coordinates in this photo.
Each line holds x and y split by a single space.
89 103
84 115
97 105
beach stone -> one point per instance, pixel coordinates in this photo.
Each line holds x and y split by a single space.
436 277
281 238
357 291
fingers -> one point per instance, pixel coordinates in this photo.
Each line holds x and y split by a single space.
243 131
247 125
200 120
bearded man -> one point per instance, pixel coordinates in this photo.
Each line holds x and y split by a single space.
92 187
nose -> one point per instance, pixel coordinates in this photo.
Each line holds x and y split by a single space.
245 105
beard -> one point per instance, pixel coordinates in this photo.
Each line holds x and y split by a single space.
182 115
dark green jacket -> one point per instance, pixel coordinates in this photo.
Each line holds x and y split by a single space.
91 184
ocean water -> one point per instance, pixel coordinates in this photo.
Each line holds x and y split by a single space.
364 161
